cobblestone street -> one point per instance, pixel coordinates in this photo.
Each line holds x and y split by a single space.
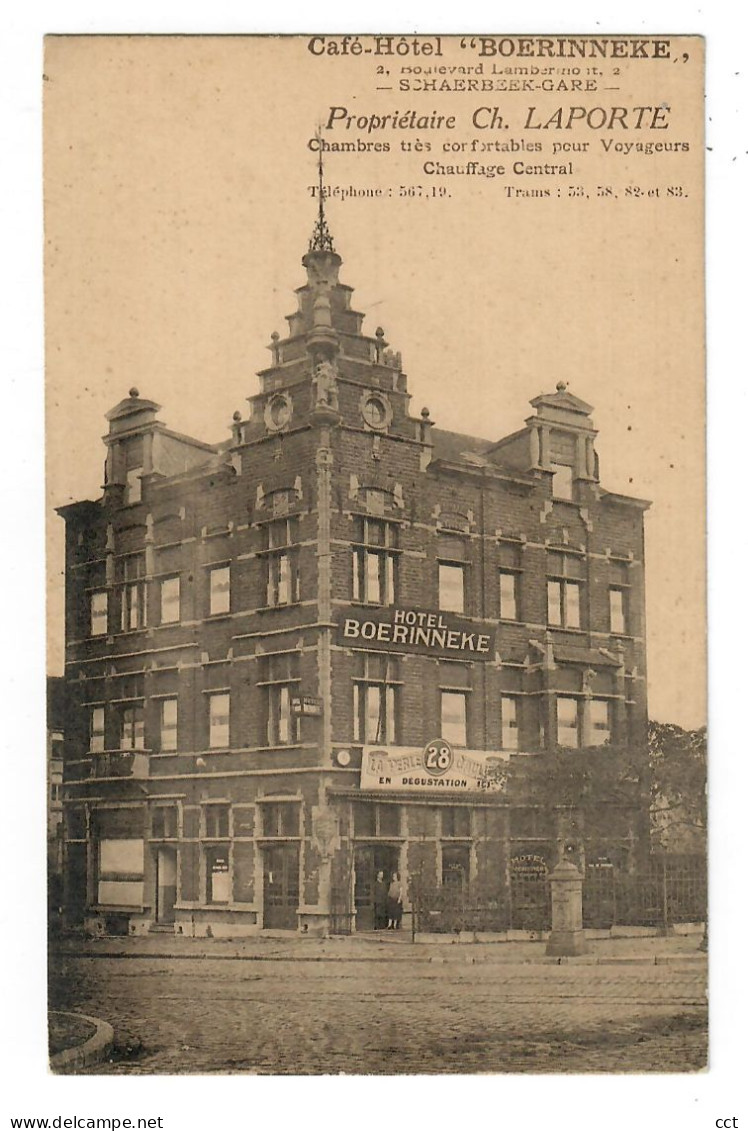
366 1015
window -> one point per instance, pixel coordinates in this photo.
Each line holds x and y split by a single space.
364 819
131 573
509 724
134 486
219 706
164 822
282 564
563 481
567 714
599 722
120 872
388 820
97 736
132 728
220 590
374 563
454 717
281 819
507 595
169 600
370 820
99 612
217 875
455 866
564 590
509 554
455 822
281 677
452 573
375 412
451 587
617 610
375 700
168 728
76 824
282 725
216 821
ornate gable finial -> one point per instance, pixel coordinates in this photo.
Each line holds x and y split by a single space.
321 237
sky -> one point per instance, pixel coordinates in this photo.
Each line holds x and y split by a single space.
177 209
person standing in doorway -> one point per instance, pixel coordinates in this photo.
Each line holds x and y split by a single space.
394 903
380 902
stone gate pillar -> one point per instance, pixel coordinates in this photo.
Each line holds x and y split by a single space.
567 934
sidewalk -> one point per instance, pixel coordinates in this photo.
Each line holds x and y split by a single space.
383 947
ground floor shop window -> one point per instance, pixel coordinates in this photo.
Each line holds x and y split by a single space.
455 866
120 872
217 875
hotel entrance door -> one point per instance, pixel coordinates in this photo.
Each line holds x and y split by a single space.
370 859
281 887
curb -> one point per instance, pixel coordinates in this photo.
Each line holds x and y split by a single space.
452 959
95 1049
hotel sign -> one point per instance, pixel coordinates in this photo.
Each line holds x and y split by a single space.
436 768
416 630
306 705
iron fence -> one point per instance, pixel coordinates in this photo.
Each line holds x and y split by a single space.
664 893
523 904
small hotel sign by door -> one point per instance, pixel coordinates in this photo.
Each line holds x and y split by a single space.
306 705
416 630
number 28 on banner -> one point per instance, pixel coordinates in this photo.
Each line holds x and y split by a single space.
438 757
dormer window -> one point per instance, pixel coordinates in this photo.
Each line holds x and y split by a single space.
563 481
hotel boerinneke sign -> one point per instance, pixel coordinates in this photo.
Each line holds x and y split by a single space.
436 634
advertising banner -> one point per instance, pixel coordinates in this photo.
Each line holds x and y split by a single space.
436 768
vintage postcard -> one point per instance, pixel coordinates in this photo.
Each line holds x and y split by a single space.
375 436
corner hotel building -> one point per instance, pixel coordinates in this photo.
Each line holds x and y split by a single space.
343 640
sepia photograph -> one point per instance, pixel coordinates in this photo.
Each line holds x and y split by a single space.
375 497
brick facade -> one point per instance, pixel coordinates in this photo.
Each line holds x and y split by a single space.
205 591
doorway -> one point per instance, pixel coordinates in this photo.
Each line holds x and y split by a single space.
370 859
281 886
166 884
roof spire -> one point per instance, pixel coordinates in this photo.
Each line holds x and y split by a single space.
321 238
